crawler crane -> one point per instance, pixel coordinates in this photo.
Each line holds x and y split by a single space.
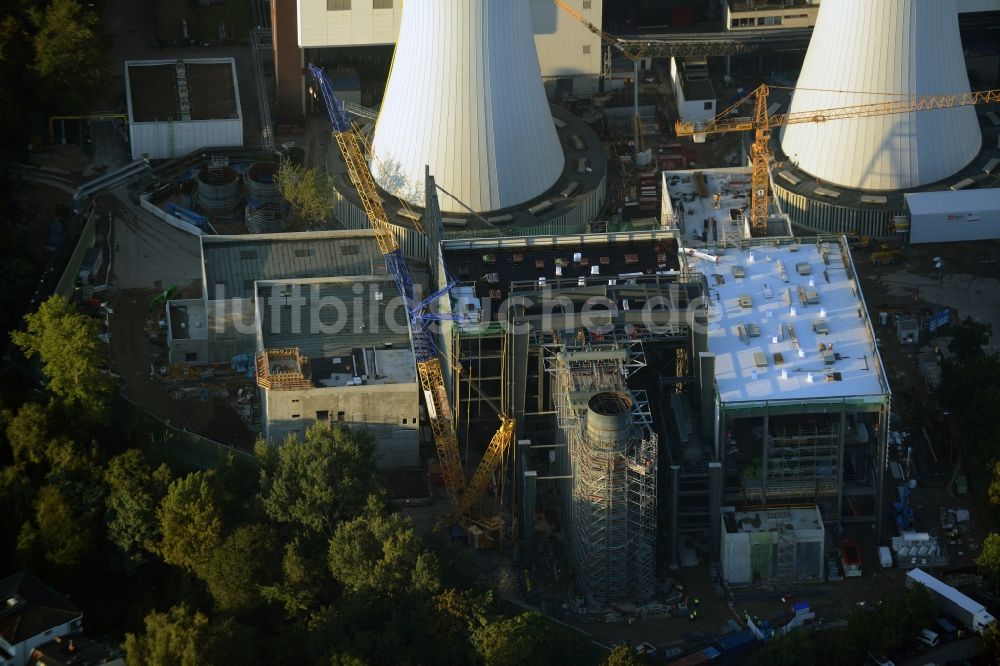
465 497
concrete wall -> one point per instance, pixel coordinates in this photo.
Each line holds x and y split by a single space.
163 140
736 557
361 25
231 329
287 62
380 409
958 226
566 49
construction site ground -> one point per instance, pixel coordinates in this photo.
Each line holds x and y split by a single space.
146 258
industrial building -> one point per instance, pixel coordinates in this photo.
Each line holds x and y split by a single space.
791 391
586 316
693 91
316 312
743 371
965 215
328 31
178 106
770 14
850 174
351 364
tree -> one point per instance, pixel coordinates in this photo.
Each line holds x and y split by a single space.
792 649
319 482
309 193
16 83
72 356
184 637
625 655
135 489
304 584
246 561
989 555
375 554
968 339
989 645
28 434
70 56
58 534
525 639
191 520
993 491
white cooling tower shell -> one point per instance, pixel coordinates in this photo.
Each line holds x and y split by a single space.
465 97
901 47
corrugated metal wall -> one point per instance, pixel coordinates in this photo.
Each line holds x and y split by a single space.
414 243
829 218
164 140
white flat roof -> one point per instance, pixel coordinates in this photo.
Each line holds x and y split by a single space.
764 303
962 201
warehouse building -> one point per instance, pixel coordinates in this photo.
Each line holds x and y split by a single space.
178 106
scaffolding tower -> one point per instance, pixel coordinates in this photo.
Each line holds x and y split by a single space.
613 456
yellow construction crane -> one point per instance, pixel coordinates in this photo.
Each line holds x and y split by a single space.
761 123
465 498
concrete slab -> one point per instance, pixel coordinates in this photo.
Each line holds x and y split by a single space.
149 253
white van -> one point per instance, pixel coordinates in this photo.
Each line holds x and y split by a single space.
928 637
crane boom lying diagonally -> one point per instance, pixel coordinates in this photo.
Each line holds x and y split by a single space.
428 365
761 123
439 411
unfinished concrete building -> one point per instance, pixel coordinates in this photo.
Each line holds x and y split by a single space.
338 352
776 544
317 319
590 322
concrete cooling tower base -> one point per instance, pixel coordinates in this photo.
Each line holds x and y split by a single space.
817 206
567 207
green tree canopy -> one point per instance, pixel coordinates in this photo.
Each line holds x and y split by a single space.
191 520
318 482
526 639
309 193
989 644
57 532
184 637
247 561
625 655
135 490
989 555
380 555
72 356
28 433
70 56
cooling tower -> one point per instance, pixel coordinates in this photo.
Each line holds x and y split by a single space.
872 51
465 97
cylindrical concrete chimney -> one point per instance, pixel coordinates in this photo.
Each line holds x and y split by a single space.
609 423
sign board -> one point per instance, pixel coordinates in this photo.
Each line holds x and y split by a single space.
938 320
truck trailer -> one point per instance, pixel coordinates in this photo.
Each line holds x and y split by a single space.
969 612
